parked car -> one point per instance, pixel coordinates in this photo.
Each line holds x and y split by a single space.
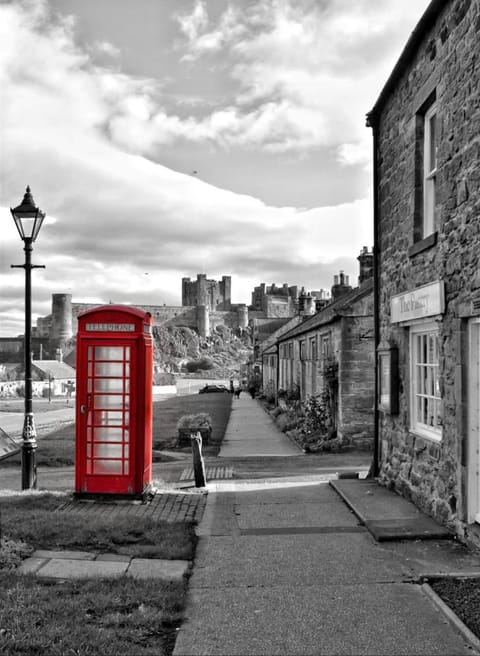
213 388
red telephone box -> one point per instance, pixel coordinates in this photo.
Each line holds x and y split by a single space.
114 402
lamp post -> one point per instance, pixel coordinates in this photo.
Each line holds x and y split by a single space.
28 219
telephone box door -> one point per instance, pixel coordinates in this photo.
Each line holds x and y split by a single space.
107 461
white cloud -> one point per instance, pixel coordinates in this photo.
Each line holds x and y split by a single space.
78 134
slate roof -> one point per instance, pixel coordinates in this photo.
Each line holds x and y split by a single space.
331 312
54 369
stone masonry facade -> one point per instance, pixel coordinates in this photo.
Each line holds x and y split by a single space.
441 63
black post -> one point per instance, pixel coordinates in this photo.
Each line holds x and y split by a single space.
198 463
29 435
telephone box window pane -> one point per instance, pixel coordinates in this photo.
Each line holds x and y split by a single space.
109 353
125 451
127 353
108 434
113 418
114 401
126 435
108 385
108 467
89 466
113 369
107 451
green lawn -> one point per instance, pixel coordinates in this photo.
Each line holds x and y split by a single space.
121 616
57 449
167 413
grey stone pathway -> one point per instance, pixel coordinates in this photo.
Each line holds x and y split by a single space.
85 564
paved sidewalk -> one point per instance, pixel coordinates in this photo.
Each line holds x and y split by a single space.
285 567
252 433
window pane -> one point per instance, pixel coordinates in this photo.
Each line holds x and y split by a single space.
109 369
425 388
432 153
108 385
109 352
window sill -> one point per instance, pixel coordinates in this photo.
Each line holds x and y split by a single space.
423 244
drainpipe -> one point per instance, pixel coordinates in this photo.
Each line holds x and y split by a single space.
371 122
277 373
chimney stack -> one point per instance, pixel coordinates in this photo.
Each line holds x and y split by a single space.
366 264
341 286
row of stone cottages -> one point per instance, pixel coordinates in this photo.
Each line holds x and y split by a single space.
426 281
335 348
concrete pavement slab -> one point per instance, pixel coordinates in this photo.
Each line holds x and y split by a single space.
371 501
420 528
295 559
393 619
31 565
62 568
312 490
387 515
293 515
70 555
111 557
170 570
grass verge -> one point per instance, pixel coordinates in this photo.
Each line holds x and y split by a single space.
90 617
32 519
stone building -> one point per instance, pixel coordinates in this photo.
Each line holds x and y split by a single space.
338 338
426 127
215 295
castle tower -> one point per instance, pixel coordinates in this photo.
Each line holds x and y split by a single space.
202 291
61 330
242 313
203 321
226 287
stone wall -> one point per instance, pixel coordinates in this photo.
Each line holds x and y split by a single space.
356 380
430 473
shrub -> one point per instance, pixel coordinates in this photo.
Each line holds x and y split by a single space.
199 420
197 365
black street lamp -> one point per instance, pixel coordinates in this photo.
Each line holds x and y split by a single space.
28 219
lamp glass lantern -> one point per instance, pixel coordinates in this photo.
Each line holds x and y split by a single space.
28 218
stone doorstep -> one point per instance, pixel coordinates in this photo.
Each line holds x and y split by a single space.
81 564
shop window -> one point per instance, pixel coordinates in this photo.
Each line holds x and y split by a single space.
426 403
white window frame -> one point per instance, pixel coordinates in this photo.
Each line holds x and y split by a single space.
425 399
430 138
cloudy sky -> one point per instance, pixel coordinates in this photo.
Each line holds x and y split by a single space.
165 138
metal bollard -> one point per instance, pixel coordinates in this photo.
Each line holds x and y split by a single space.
198 464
